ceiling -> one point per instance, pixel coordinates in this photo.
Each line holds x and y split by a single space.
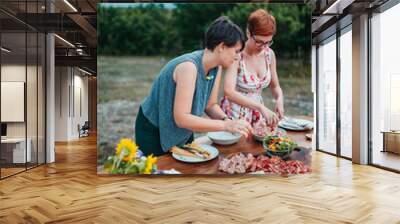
74 22
330 15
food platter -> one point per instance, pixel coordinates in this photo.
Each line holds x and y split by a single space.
279 131
213 153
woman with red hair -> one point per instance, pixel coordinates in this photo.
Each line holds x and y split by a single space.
246 78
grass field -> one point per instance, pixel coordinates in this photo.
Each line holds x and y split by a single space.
123 82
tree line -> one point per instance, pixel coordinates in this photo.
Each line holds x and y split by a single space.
154 29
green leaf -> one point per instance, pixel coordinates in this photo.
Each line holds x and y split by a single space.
142 165
133 169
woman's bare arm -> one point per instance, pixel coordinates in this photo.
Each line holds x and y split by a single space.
238 98
185 78
213 109
231 92
276 89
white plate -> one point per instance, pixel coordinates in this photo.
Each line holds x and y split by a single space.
223 137
295 124
212 150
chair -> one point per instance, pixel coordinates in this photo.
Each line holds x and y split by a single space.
84 130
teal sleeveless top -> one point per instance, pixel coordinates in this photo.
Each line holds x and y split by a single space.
158 107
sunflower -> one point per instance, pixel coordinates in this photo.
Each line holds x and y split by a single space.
272 147
150 161
128 145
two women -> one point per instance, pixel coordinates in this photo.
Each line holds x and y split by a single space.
187 87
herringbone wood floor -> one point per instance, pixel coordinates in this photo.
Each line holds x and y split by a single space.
69 191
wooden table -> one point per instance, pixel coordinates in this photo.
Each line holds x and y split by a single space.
248 145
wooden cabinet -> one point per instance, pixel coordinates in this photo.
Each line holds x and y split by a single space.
391 141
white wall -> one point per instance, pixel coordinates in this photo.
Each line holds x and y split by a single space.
81 89
33 126
12 101
14 73
62 81
70 83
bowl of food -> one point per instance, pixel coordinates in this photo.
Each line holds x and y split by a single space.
223 137
260 132
281 146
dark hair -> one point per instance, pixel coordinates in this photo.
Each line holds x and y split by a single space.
223 30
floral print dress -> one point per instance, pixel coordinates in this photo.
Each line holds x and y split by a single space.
250 85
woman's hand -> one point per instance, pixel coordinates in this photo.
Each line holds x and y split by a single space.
279 109
238 126
270 117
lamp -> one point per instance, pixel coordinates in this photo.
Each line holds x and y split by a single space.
71 6
5 50
84 71
64 40
337 7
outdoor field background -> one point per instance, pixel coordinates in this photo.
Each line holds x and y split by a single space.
129 60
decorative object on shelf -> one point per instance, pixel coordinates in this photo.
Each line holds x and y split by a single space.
128 159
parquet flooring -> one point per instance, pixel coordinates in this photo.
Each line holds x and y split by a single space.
69 191
10 171
386 159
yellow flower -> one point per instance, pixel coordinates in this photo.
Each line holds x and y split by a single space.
129 145
149 163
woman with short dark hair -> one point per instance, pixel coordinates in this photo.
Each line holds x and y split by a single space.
186 88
